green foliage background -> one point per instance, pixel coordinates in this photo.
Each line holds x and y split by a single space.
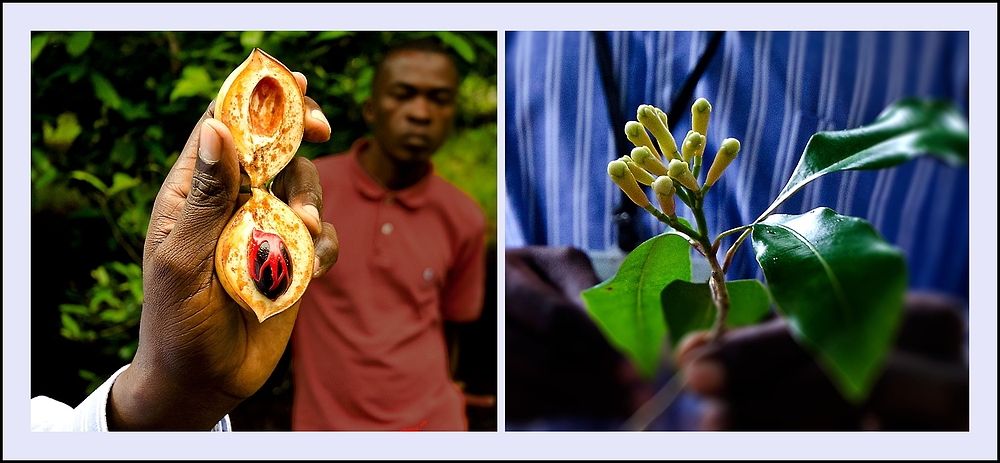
110 113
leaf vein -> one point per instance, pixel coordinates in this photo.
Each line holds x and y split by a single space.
835 282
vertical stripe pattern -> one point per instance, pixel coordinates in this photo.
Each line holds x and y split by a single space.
770 90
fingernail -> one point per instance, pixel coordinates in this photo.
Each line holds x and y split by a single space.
317 114
312 211
209 144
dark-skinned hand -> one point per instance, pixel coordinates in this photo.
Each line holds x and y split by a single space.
559 365
759 378
200 354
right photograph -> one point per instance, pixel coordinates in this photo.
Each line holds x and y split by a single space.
736 230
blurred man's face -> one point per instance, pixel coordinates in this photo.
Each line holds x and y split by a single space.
412 108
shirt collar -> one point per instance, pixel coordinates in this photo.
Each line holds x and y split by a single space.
411 197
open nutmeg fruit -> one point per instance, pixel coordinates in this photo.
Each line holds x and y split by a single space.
264 257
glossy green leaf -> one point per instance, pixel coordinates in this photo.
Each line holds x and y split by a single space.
627 307
38 43
105 91
841 288
688 307
79 42
904 131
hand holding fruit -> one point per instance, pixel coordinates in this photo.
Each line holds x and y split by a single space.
199 352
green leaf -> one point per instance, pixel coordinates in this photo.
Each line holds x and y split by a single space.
459 44
101 275
251 39
70 328
121 182
113 316
627 307
79 42
105 91
134 111
841 288
95 380
38 43
688 307
904 131
75 72
124 152
486 44
331 35
75 309
62 135
126 352
89 178
194 81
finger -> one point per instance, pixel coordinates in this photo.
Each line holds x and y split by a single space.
175 187
301 80
317 127
765 380
691 346
327 250
245 193
298 185
706 377
214 187
179 177
758 351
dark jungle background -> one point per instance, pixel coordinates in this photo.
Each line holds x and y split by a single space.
110 112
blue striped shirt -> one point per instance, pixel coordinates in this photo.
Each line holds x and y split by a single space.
771 91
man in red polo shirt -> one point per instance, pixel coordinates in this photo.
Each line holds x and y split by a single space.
369 349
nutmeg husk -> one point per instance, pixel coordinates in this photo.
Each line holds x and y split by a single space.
262 105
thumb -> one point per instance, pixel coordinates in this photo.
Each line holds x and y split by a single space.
215 185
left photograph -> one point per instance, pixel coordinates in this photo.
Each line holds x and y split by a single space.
263 231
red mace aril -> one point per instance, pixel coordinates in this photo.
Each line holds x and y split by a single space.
272 266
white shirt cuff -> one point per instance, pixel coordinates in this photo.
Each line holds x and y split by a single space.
91 415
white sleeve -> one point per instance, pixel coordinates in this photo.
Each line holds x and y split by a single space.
90 416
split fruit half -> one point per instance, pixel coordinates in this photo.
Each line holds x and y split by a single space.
264 257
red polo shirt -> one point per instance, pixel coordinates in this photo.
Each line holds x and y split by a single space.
369 350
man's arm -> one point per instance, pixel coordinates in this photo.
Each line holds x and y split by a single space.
462 296
48 414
